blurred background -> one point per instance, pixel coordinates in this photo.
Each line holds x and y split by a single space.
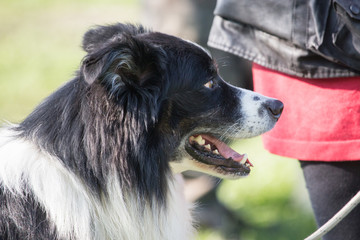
40 50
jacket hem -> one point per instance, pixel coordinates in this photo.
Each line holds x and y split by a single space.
241 41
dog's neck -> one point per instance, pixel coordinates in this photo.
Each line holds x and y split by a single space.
77 213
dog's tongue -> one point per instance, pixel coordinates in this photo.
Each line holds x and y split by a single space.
224 149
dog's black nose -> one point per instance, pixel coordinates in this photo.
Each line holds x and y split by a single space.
275 108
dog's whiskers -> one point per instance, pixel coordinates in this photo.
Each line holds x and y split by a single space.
229 131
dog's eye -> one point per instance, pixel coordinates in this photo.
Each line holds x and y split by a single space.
209 84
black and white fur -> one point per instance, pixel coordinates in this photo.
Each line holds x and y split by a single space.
98 159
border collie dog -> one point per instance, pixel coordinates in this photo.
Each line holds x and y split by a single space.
100 158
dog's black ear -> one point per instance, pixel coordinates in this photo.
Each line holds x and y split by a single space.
124 60
93 65
98 36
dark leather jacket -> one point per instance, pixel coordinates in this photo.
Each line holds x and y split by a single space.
306 38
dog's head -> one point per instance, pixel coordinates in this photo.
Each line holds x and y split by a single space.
167 92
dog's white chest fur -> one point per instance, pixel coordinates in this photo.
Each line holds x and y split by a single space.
75 212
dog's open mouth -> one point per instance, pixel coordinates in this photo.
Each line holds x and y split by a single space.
211 151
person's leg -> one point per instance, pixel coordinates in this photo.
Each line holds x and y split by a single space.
331 186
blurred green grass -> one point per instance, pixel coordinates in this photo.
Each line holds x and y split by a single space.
272 201
40 46
40 50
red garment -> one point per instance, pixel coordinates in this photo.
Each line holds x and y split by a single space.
321 117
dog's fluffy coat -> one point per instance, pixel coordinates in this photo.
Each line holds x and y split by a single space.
98 158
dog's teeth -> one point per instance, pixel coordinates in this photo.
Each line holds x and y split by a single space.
208 147
245 158
216 151
192 138
199 140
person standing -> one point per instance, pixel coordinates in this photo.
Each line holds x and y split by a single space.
307 54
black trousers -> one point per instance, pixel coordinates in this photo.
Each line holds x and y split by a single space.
331 186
